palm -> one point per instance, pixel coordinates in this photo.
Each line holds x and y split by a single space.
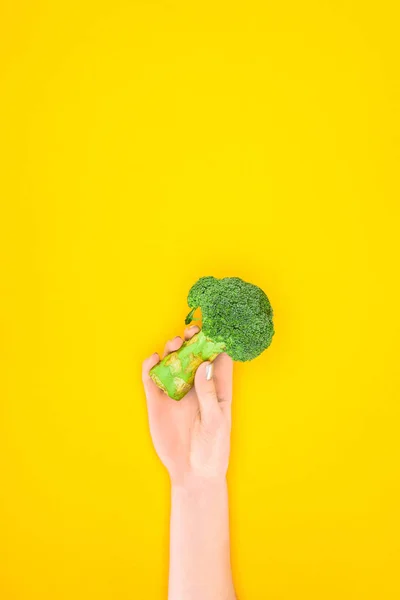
171 426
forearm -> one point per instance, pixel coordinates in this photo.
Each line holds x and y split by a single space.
200 549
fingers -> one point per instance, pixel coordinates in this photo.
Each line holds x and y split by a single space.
176 342
149 386
151 389
173 345
191 331
223 376
148 364
207 394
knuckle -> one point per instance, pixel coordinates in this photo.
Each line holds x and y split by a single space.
209 395
211 414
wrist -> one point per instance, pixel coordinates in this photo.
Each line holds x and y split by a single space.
190 482
200 497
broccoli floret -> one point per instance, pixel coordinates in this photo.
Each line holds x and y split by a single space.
234 312
237 319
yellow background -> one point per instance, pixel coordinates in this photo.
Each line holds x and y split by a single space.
146 144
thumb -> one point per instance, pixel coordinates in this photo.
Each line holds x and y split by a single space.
206 393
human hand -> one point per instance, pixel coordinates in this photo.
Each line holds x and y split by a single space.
192 436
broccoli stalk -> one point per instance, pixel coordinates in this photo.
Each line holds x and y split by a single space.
175 373
237 319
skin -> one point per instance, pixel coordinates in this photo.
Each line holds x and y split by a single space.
192 440
175 372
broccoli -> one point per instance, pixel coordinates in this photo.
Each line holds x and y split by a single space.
236 319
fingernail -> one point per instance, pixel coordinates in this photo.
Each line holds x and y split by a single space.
209 371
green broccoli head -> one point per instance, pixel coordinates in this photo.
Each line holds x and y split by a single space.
235 313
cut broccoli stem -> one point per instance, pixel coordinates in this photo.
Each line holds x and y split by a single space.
189 318
175 373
